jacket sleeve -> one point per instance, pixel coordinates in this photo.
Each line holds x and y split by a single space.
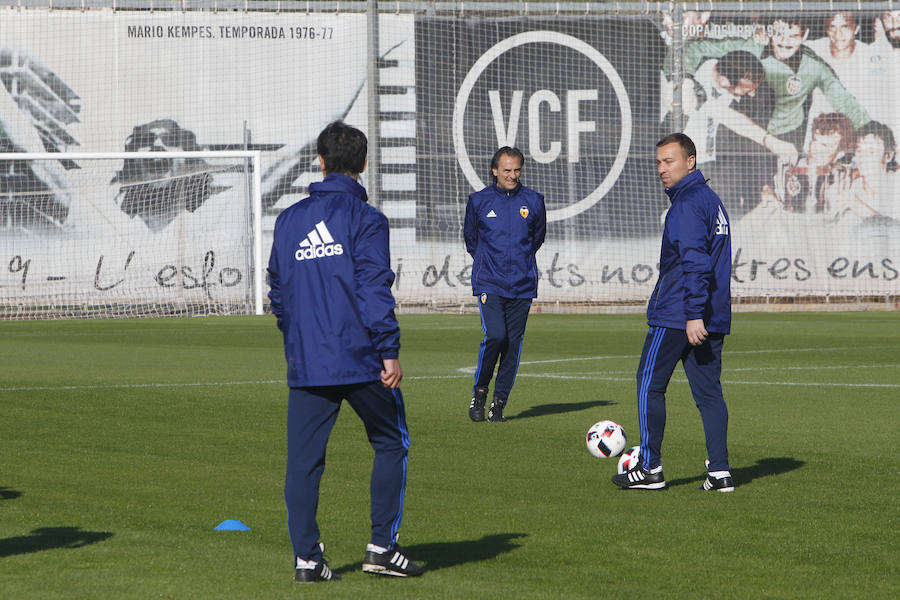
843 101
374 279
699 50
540 224
275 283
691 232
470 227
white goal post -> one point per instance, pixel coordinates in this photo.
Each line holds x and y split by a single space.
144 233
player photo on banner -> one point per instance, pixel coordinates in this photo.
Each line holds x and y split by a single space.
102 81
795 120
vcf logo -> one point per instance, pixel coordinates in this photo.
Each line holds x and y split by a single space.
541 105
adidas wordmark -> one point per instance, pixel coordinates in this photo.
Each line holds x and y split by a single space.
318 243
721 223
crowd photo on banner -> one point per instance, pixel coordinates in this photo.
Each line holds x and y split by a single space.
816 91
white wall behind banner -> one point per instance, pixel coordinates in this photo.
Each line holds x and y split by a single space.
585 98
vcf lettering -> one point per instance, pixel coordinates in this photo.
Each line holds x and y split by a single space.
542 105
508 128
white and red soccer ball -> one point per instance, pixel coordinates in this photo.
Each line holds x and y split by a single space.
629 459
605 439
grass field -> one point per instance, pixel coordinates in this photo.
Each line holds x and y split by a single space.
124 443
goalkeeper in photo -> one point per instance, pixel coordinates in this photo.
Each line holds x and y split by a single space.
158 190
330 280
689 314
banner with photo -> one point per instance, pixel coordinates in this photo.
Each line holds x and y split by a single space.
158 231
794 122
587 98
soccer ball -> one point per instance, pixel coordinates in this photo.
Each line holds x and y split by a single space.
605 439
629 459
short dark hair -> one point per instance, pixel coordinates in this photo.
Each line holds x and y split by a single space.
738 65
175 135
686 143
881 131
506 151
848 16
789 19
343 148
828 123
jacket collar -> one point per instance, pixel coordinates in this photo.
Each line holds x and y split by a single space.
508 194
691 179
338 182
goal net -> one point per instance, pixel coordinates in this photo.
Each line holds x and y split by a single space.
130 234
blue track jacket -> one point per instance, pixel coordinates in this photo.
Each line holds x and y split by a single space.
695 260
503 231
330 280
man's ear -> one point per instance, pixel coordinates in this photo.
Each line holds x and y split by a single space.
322 165
365 163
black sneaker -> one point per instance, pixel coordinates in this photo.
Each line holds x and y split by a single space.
303 573
641 479
476 408
390 562
495 414
719 484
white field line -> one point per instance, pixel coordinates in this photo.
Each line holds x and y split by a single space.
569 377
725 382
129 386
620 376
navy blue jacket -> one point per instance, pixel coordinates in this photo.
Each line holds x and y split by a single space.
330 280
695 260
503 231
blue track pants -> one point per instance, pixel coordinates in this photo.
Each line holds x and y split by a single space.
503 323
312 413
663 348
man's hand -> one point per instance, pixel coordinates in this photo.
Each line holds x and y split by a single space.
760 35
785 151
391 374
696 332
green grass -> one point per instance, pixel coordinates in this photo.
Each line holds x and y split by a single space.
124 443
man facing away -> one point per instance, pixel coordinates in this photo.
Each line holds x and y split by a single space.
689 314
330 280
504 227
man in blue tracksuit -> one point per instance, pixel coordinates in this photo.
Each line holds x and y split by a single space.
505 225
689 315
330 280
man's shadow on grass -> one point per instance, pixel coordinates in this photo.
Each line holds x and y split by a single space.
49 538
764 467
9 494
557 408
441 555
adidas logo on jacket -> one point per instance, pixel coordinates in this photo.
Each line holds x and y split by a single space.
318 243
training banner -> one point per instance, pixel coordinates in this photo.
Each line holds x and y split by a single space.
162 230
794 124
586 99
